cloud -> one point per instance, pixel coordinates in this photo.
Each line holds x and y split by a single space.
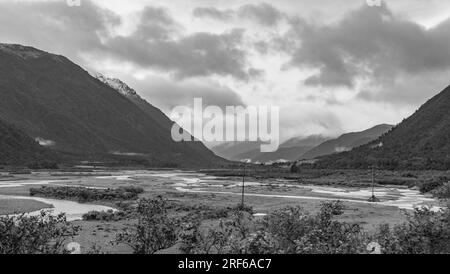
408 89
156 23
211 12
263 13
157 43
167 94
54 26
371 43
195 55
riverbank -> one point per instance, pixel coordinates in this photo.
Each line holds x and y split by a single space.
10 206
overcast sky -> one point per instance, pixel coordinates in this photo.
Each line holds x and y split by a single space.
332 66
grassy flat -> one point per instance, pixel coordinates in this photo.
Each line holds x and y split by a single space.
17 206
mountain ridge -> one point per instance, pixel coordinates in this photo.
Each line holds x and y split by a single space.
422 141
347 141
49 97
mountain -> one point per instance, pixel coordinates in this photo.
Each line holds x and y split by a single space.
310 141
346 142
283 154
50 98
18 149
232 150
420 142
288 151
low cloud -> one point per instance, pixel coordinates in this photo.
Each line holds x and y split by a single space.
167 94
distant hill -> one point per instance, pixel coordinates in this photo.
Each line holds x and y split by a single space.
288 151
18 149
346 142
310 141
420 142
232 150
50 98
283 154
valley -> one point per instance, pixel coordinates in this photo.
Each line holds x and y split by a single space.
86 154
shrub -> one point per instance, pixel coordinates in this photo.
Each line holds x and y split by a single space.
44 234
243 207
425 232
230 237
294 168
154 231
429 186
442 192
289 230
106 216
325 235
295 231
286 231
409 175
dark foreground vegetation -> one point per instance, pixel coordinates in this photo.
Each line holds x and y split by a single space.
44 234
289 230
85 195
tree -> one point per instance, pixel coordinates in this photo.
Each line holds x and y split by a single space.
294 168
154 231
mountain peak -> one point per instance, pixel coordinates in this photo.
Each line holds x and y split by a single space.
116 84
62 107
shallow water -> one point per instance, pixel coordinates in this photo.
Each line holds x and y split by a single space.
194 182
401 198
18 183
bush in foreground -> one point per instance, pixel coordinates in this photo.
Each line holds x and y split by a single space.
425 232
154 230
289 230
44 234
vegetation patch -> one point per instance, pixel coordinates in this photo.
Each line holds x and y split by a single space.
290 230
105 216
85 195
433 184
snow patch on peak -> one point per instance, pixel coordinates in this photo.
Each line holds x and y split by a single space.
116 84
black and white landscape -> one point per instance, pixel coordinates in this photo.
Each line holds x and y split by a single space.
90 161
